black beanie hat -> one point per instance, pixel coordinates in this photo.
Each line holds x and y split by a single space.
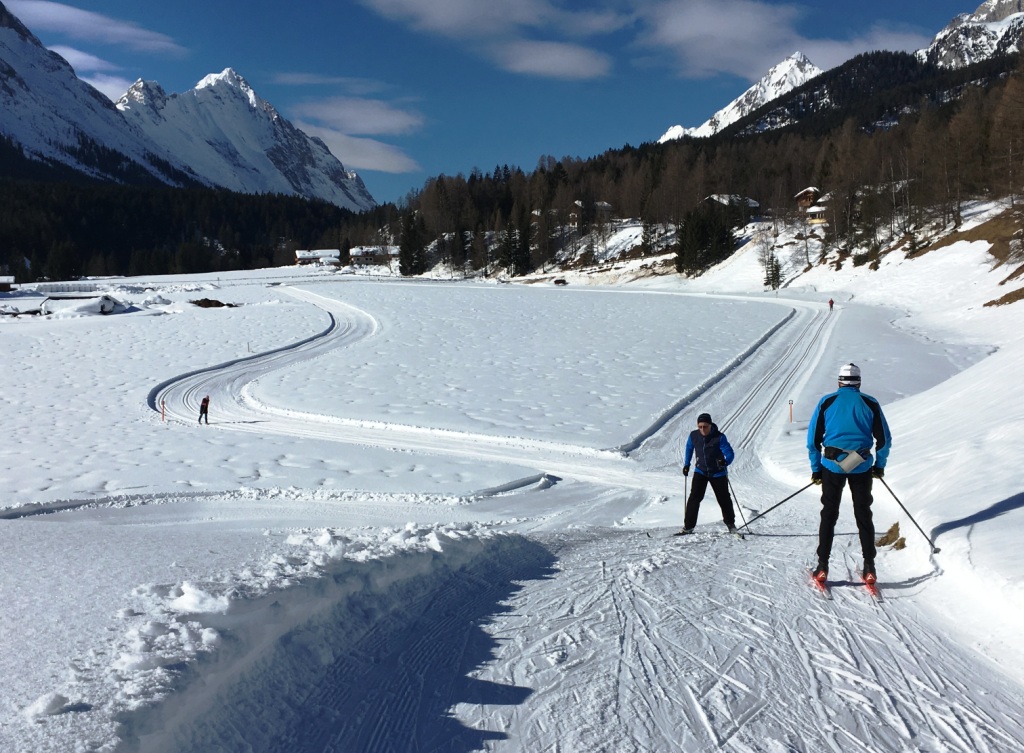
704 418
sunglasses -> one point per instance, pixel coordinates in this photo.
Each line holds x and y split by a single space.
703 426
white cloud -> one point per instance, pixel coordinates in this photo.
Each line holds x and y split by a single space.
42 15
505 31
552 60
83 62
463 18
361 153
95 71
354 85
741 37
354 115
338 120
113 87
747 37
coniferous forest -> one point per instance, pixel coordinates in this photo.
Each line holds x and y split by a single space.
893 141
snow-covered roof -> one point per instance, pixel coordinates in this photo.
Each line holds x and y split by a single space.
322 253
733 200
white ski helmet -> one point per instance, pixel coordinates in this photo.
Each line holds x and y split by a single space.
850 374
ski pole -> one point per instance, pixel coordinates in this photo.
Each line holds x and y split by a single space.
935 549
738 507
761 515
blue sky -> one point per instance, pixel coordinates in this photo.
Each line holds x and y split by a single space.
402 90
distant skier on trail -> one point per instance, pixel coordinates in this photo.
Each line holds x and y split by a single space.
839 442
713 454
204 410
831 303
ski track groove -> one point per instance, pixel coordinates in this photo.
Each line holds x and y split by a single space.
743 659
809 334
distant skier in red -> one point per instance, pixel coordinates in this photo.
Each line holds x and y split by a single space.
204 410
831 303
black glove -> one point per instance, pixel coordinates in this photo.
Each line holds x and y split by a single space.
686 470
877 472
816 478
723 464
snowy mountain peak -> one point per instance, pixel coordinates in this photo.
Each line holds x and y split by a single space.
230 78
997 10
58 119
219 134
231 137
995 28
143 94
791 73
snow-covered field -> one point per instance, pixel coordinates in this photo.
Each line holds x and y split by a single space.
434 516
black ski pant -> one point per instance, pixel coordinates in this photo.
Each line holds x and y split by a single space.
720 485
831 492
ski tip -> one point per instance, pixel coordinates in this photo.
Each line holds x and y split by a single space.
821 586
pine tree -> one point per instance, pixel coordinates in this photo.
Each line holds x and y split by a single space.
412 248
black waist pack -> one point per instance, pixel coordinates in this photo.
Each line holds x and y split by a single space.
833 453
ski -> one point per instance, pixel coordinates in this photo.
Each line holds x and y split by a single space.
703 534
872 589
821 587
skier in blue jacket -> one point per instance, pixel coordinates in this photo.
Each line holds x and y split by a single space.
713 455
844 426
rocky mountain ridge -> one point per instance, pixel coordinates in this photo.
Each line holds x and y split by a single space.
995 28
236 139
782 78
219 134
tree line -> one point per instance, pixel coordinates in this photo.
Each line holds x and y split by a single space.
914 145
67 230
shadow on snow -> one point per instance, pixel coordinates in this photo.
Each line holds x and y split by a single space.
380 670
994 511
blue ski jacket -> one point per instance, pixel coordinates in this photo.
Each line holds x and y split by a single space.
848 420
713 452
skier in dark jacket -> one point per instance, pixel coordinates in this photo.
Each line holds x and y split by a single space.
843 428
204 410
713 454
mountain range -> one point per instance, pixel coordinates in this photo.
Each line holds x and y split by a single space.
223 134
791 73
995 28
219 134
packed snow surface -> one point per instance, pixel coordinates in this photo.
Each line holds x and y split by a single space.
434 516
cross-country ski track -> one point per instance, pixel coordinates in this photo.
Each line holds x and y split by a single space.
586 632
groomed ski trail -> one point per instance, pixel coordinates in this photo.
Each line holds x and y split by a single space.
690 645
686 644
